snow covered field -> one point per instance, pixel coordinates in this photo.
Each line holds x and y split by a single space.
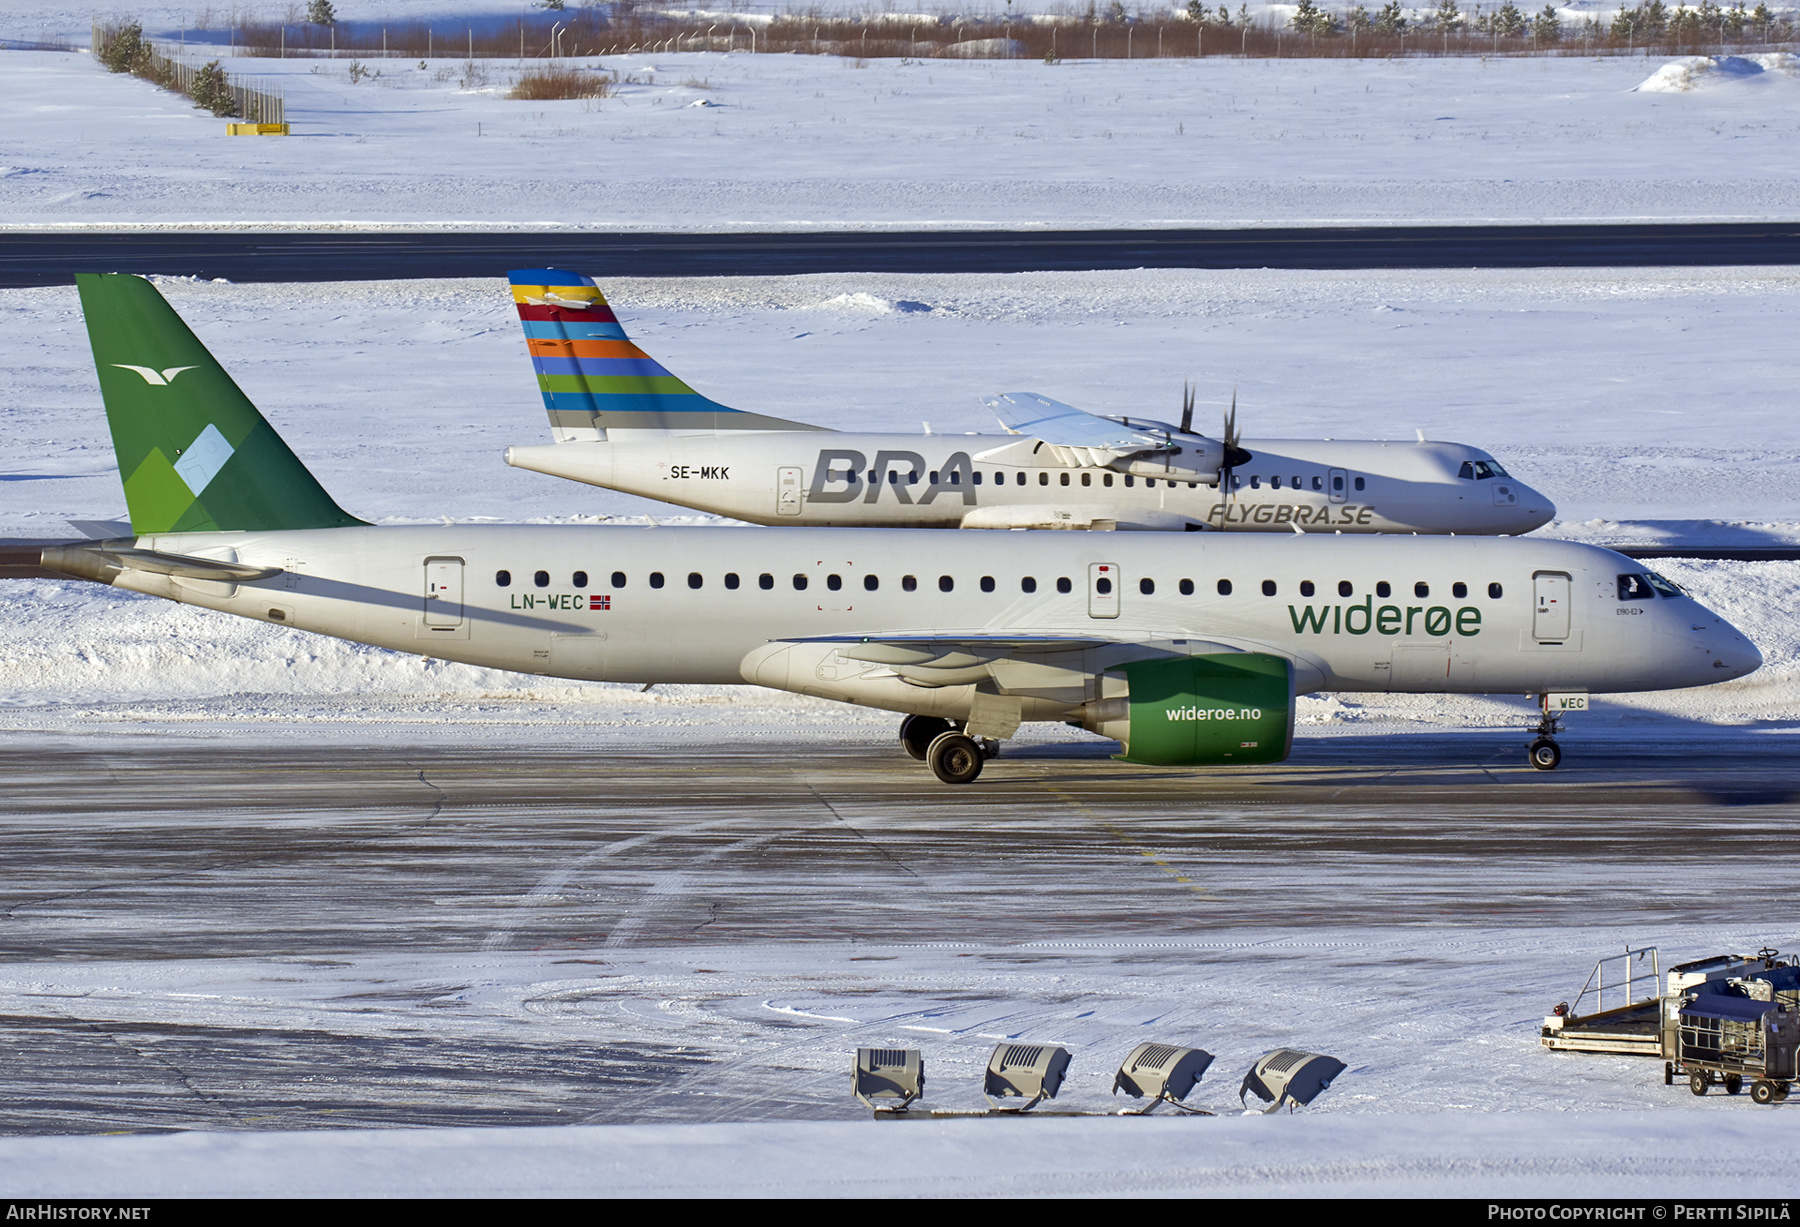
710 141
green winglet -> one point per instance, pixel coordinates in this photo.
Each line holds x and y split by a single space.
194 453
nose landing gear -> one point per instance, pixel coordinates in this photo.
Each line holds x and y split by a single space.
1544 753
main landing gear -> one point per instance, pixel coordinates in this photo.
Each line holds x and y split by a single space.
953 756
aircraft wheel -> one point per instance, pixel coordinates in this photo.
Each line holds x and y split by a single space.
1544 754
1733 1083
1762 1092
954 758
1698 1082
918 732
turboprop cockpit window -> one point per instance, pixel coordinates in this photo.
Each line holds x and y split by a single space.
1667 587
1635 588
1480 470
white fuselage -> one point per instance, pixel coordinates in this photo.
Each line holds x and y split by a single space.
827 479
706 605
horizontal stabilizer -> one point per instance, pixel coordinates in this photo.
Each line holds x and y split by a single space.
103 560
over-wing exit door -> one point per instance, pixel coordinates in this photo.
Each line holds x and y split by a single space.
1103 590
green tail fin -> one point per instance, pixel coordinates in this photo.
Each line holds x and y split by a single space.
194 453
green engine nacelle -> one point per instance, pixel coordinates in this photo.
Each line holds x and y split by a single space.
1227 708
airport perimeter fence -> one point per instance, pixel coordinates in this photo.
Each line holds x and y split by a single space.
1650 29
122 48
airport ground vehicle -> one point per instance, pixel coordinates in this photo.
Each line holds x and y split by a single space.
1721 1038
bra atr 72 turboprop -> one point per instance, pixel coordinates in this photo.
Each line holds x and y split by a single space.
620 420
1187 651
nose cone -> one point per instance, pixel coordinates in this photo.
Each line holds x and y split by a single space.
1710 648
1733 655
1534 510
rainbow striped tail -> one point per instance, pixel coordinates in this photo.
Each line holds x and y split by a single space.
595 380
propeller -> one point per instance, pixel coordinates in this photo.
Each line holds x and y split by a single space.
1233 456
1187 408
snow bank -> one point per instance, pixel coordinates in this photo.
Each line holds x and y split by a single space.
1696 71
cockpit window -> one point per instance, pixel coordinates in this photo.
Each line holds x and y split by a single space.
1480 470
1635 588
1667 587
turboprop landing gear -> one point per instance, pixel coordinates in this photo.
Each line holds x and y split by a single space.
918 732
956 758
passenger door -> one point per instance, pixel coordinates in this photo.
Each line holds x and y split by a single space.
1103 590
1340 485
443 593
1550 618
789 488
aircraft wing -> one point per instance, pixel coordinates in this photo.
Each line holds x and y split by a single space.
1078 438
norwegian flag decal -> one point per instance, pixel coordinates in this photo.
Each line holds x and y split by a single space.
599 602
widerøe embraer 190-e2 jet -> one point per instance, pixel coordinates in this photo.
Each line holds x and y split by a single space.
620 420
1187 650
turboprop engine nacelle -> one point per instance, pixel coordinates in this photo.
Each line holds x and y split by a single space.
1225 708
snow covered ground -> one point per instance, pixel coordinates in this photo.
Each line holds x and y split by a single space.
711 141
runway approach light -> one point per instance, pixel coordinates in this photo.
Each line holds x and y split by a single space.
1161 1073
1290 1076
889 1079
1032 1072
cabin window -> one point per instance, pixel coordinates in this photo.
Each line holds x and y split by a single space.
1130 481
1147 586
1346 588
1459 590
618 579
1275 482
1224 587
1065 479
975 477
1296 481
1421 590
909 583
1103 586
834 582
1318 482
1043 478
1384 590
987 583
1495 591
731 580
656 579
1087 479
765 581
1106 479
1359 483
934 477
1187 587
1064 586
1256 483
1268 587
1337 485
541 579
502 579
1237 481
871 583
579 579
999 479
1306 587
1028 584
694 580
799 582
956 477
946 584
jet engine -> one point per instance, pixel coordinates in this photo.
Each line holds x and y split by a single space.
1226 709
